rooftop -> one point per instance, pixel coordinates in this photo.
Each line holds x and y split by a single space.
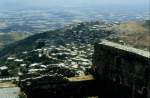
126 48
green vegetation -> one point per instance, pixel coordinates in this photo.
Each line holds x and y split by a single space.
69 44
83 34
8 38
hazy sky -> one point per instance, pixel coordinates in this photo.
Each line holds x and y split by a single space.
75 3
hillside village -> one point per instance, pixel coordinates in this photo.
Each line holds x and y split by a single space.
56 55
74 49
71 49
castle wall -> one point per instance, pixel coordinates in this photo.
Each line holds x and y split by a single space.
122 67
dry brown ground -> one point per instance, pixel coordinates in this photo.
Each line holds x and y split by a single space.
7 84
136 34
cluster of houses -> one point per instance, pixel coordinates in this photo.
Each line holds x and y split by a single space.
71 56
70 48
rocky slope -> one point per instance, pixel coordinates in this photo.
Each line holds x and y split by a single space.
134 33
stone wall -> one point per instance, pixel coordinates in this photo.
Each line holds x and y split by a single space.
119 72
124 66
75 87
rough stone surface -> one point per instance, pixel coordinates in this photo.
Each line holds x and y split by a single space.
124 66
